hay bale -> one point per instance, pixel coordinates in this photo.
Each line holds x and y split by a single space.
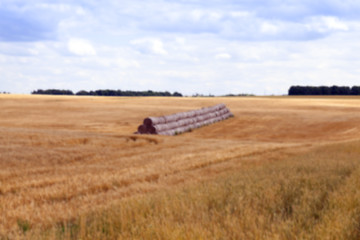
150 121
184 121
142 129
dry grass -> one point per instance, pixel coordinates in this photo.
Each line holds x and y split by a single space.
310 196
70 168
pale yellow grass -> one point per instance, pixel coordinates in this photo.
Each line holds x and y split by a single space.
313 195
63 157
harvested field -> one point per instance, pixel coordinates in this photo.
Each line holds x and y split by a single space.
63 157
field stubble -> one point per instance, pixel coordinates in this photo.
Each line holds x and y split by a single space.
66 157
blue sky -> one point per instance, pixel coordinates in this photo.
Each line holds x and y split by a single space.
191 46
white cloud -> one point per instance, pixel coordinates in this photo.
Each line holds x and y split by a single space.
222 56
149 45
126 63
325 24
268 28
200 15
197 14
240 14
180 41
81 47
55 7
334 23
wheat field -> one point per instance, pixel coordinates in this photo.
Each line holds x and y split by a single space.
282 168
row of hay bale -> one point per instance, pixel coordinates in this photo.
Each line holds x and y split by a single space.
184 121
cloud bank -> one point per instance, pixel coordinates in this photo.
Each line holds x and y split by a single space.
191 46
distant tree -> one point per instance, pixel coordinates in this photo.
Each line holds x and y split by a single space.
323 90
53 92
345 90
355 90
176 94
297 90
39 91
82 93
239 95
106 92
335 90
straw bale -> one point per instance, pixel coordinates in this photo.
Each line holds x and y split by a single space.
161 127
142 129
154 121
184 121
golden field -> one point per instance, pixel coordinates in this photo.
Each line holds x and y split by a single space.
282 168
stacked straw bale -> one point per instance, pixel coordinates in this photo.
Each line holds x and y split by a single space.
184 121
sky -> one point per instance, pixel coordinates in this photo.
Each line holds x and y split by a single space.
259 47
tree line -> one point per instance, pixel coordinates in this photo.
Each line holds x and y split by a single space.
324 90
107 92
